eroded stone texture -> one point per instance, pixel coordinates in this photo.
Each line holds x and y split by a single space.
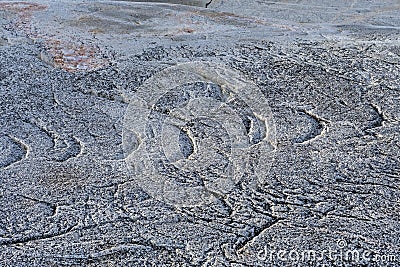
195 141
326 73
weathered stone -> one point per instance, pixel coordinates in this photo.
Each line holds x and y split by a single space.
199 133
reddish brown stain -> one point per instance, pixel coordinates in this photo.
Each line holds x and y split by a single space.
23 12
21 7
73 57
66 55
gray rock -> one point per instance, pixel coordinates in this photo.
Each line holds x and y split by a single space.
199 133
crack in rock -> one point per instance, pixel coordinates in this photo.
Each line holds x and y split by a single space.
37 237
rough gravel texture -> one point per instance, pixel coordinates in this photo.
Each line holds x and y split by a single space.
98 149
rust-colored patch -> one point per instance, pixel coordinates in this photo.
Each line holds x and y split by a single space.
66 55
72 57
23 12
19 7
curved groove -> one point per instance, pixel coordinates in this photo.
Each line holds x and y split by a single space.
380 117
17 151
255 128
61 148
50 135
186 143
319 126
73 149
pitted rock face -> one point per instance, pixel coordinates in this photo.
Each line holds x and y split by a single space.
204 129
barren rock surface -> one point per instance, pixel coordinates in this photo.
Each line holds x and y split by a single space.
199 133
